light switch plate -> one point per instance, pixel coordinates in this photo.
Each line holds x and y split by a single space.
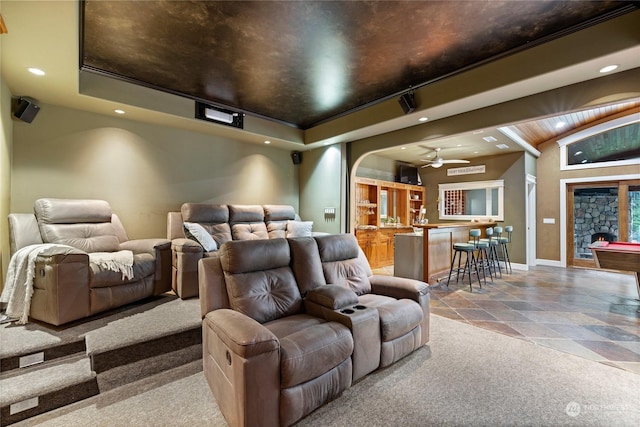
548 220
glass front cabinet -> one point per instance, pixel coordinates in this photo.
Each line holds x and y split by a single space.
384 208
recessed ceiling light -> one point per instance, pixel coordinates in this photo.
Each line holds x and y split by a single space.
403 148
36 71
560 124
489 139
459 145
475 152
267 142
423 119
578 153
608 68
584 161
118 111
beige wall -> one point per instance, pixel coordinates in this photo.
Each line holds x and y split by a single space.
322 186
143 170
509 167
6 138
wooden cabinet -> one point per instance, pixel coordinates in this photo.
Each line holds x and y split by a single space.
384 209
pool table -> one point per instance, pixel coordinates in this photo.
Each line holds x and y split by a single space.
622 256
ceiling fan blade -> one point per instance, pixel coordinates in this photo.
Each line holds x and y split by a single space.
455 161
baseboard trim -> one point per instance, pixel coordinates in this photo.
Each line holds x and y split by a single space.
549 262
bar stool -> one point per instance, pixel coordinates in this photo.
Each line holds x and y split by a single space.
470 263
503 242
482 257
493 252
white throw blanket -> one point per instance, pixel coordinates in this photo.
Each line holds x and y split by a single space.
18 288
121 261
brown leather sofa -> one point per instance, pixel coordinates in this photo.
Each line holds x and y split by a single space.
289 324
67 286
223 223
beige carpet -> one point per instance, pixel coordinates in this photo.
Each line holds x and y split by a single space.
465 376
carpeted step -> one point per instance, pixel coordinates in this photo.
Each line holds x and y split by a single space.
44 388
160 330
69 363
33 343
135 371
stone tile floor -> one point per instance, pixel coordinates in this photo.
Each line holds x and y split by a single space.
590 313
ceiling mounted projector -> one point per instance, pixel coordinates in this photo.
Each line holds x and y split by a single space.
219 115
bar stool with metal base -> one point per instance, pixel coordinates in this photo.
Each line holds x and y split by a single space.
493 252
503 242
482 249
470 262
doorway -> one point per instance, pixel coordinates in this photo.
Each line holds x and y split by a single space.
608 210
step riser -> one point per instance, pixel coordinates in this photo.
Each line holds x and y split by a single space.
51 401
10 363
102 362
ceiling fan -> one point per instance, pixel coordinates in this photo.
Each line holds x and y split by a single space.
438 161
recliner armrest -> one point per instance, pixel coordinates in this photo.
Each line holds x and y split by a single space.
332 297
398 287
146 245
186 245
241 334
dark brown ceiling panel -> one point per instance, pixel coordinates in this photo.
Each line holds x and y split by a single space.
304 62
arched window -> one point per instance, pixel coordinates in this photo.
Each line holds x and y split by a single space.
613 143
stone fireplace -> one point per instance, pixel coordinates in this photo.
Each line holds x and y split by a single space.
596 218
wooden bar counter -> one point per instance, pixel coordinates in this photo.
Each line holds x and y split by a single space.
437 246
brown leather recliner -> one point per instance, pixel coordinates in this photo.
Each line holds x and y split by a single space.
223 223
338 260
267 361
261 298
67 286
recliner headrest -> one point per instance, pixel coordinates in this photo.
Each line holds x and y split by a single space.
71 211
246 213
245 256
279 212
204 213
337 247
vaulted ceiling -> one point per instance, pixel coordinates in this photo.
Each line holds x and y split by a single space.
305 62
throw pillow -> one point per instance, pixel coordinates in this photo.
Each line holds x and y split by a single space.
195 231
299 228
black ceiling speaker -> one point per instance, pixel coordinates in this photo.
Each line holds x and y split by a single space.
25 110
407 102
296 156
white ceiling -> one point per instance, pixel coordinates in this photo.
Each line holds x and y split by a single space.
45 34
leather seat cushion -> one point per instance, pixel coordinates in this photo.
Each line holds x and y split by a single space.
398 318
292 324
144 265
313 351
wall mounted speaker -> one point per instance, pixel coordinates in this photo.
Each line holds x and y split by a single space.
296 156
25 110
407 102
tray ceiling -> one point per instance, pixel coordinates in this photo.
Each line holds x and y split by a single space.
305 62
